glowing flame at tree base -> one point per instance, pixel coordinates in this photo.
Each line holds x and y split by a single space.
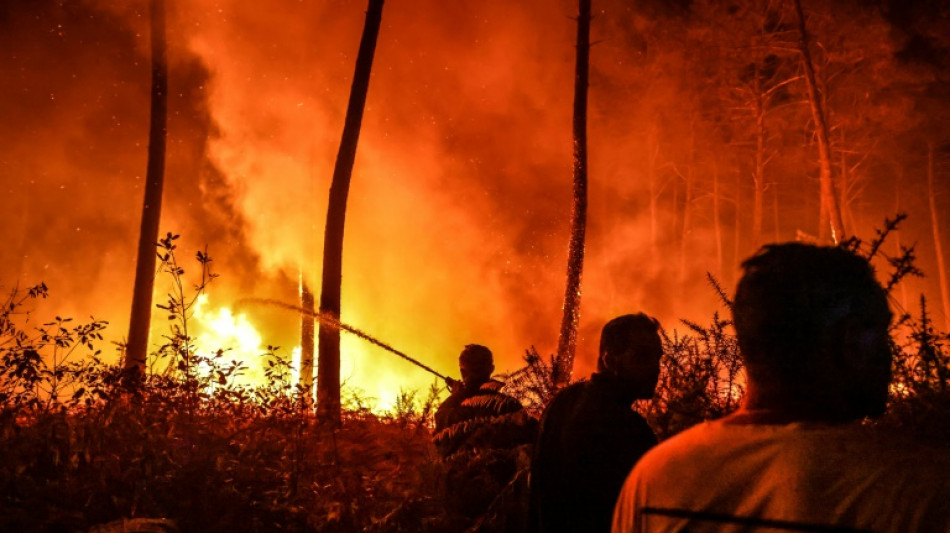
224 329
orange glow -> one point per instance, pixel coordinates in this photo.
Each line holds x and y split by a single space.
220 329
458 216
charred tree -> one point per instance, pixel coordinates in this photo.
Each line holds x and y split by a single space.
829 197
758 177
938 246
328 362
717 222
737 231
140 319
899 208
653 151
306 341
567 339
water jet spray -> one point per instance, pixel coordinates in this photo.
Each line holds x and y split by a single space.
335 322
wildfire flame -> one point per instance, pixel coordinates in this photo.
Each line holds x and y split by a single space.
220 328
458 216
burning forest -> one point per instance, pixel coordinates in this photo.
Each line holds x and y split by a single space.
371 188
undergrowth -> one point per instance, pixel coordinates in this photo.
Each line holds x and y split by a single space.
83 447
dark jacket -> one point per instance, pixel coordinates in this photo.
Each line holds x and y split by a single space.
590 438
482 417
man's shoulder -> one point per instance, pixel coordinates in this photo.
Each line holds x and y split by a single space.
569 394
490 398
565 402
685 447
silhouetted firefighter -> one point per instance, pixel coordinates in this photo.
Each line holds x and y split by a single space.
478 431
477 414
591 437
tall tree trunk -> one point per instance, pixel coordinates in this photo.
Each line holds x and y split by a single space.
898 208
829 198
848 198
823 225
758 177
306 340
717 223
687 202
140 319
938 245
775 225
328 362
684 236
653 150
737 233
567 339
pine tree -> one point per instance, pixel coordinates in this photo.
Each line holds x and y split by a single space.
140 319
328 339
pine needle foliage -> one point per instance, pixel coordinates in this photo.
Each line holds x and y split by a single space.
701 377
534 384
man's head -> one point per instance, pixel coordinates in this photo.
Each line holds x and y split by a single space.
812 328
475 365
630 349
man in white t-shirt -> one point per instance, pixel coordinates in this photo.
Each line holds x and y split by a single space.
812 326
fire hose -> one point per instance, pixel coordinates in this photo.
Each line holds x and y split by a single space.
332 321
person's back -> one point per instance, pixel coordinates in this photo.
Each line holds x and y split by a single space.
590 436
481 417
481 434
812 327
722 477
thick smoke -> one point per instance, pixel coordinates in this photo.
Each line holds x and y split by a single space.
457 226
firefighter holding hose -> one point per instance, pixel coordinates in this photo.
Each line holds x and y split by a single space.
484 437
502 421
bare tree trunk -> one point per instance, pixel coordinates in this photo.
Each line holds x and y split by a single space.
140 319
737 225
775 217
758 177
938 246
684 236
717 223
829 198
328 363
848 195
898 208
687 203
653 151
306 341
567 340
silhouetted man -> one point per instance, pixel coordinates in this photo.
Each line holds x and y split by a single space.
812 328
480 433
477 414
590 436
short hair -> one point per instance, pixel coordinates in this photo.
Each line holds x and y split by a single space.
476 356
791 300
639 331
